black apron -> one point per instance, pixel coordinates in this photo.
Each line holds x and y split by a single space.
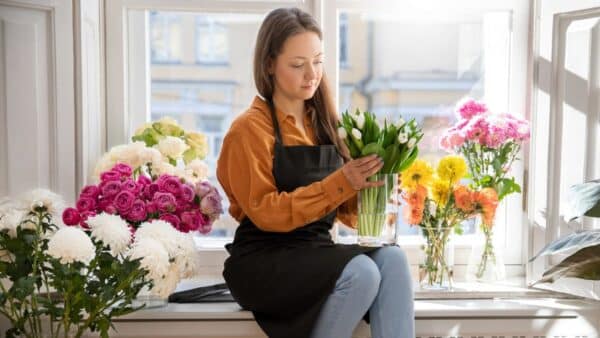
285 278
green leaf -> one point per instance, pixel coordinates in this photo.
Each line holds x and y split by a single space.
408 161
372 148
576 240
507 186
582 199
584 264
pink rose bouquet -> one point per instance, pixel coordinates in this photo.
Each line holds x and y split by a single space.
137 198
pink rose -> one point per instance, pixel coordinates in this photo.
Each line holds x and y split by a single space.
123 169
169 184
187 193
151 207
191 220
124 201
137 212
106 205
165 202
90 191
110 176
110 188
150 190
174 220
130 185
144 180
211 204
203 188
85 204
71 216
84 216
205 229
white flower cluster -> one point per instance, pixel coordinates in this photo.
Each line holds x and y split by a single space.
166 253
135 154
112 231
14 213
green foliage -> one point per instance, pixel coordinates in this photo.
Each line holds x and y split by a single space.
84 297
385 141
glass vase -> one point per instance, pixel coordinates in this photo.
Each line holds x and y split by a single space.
378 212
486 261
149 300
436 270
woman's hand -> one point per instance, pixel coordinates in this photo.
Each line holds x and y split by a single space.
357 171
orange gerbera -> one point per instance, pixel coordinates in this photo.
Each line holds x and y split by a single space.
487 199
416 198
413 215
464 198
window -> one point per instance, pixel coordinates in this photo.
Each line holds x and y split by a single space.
165 37
198 97
415 68
343 40
212 41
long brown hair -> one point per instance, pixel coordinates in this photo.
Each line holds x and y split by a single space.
278 26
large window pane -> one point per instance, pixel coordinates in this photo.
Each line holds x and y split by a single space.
415 68
210 83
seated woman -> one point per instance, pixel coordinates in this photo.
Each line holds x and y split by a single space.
288 175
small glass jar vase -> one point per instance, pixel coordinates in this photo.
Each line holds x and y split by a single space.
378 212
436 270
486 261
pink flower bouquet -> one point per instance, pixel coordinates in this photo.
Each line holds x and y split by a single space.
187 207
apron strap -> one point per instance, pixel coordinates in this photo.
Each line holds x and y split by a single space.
278 138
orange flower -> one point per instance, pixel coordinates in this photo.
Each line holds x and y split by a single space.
464 198
412 215
487 199
416 198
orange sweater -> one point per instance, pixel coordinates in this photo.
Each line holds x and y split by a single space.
244 169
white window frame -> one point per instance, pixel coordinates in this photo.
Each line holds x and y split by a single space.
128 84
552 22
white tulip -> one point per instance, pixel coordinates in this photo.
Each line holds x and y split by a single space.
342 133
356 133
400 122
402 138
411 142
360 121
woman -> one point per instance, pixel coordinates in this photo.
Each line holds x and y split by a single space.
282 167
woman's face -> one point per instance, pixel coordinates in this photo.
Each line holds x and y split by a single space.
299 68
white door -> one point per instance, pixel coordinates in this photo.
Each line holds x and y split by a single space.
37 107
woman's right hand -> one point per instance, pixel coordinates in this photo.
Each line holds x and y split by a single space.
357 171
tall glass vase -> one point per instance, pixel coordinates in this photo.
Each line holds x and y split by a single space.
486 261
378 212
436 270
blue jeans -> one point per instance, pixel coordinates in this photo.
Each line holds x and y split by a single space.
381 284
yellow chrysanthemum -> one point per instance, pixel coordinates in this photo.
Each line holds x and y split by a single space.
440 191
419 172
452 168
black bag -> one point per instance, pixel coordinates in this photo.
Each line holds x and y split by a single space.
217 293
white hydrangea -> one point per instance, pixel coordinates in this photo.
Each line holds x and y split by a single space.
71 244
188 256
171 146
162 232
154 257
10 218
134 154
164 286
112 230
197 169
42 197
